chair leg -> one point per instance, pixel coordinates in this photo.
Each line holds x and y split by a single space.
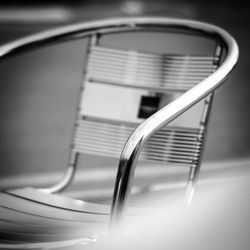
191 184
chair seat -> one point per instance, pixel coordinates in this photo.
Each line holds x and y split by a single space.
30 215
33 216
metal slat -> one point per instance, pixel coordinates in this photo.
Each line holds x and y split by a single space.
146 84
150 55
154 58
188 61
175 86
185 76
169 144
121 130
165 142
141 69
144 157
154 141
87 120
160 65
167 147
165 132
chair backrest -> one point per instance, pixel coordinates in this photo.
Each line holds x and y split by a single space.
123 87
126 81
152 92
124 84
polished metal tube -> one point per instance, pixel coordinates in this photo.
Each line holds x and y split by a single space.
142 133
164 116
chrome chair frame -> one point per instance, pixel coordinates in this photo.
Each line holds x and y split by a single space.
143 132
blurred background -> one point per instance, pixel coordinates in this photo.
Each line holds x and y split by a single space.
38 91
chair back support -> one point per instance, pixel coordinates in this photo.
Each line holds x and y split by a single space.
132 85
103 127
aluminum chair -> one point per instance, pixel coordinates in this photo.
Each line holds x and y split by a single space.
153 106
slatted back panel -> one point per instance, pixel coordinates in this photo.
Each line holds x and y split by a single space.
156 71
171 144
157 74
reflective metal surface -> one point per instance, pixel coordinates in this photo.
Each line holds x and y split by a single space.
167 114
137 140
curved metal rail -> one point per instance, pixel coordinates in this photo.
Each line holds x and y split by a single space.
164 116
142 133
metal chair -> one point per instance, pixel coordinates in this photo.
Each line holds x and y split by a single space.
144 104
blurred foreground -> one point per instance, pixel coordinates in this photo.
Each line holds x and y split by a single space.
218 218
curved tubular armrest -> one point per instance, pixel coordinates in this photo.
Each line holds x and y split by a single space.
85 29
142 133
164 116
